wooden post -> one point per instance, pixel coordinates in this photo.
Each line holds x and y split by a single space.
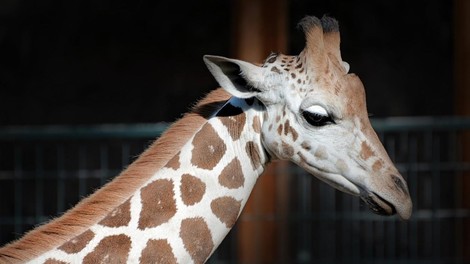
462 103
259 27
462 56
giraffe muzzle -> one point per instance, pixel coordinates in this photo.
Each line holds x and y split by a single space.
378 204
389 199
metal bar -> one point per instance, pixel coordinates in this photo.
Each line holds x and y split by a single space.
413 183
420 123
60 178
82 174
136 131
18 174
436 198
104 163
57 132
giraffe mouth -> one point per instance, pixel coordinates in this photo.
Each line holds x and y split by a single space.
378 205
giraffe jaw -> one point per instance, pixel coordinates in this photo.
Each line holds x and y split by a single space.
377 203
335 180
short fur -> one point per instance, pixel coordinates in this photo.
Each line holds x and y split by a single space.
96 206
322 47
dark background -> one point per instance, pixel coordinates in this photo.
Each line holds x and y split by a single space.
90 62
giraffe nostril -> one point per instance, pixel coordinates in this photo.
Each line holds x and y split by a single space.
399 183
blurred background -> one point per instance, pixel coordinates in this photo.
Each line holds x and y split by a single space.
86 85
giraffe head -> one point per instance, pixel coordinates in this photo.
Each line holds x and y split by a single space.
315 115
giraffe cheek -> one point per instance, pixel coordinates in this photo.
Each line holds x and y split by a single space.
321 153
366 151
342 166
287 151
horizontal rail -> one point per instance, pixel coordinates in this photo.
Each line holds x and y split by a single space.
154 130
420 123
57 132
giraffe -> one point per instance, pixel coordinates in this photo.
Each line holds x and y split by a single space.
180 198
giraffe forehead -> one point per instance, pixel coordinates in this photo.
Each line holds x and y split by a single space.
292 67
330 81
298 82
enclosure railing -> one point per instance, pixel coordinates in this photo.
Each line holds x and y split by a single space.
46 170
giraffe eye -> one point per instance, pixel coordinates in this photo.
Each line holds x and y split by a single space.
317 116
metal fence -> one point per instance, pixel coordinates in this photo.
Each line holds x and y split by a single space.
46 170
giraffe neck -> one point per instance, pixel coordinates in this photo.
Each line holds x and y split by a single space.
184 211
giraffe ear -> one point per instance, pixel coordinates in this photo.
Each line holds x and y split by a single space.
241 79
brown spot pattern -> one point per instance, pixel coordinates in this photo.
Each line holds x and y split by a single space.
119 216
196 238
321 153
112 249
305 145
226 209
174 163
288 129
275 69
342 166
253 152
234 124
208 149
256 124
157 251
337 88
294 133
287 150
77 243
158 203
54 261
366 151
378 164
272 59
232 175
192 189
303 159
279 129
